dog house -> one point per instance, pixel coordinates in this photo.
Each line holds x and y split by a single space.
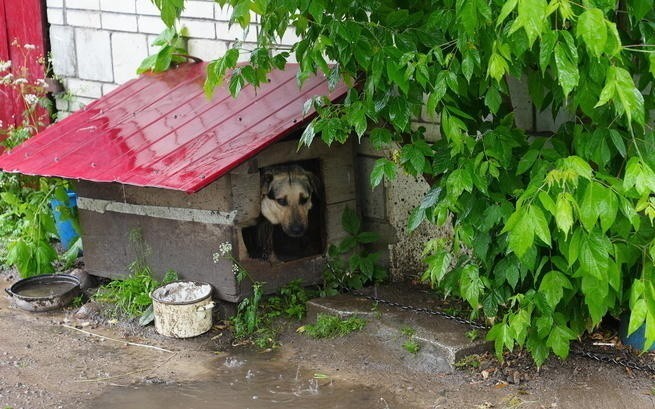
157 157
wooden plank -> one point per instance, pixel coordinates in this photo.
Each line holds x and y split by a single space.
215 196
275 275
246 197
335 231
186 247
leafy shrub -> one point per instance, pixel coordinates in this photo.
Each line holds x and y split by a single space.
552 231
349 265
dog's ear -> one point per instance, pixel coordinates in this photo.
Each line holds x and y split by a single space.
266 179
315 184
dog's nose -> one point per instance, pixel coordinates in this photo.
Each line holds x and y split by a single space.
297 229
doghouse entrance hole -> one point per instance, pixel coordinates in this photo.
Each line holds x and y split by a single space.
287 248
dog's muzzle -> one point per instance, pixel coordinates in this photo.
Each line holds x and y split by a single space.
295 230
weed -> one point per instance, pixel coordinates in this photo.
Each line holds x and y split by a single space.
78 301
469 361
330 326
408 331
131 296
412 346
473 334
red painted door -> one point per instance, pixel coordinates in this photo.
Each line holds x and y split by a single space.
22 41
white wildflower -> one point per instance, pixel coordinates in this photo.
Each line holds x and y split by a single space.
41 83
235 268
19 81
7 79
216 257
5 65
225 249
31 99
29 46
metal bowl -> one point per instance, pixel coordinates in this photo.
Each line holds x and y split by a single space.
44 292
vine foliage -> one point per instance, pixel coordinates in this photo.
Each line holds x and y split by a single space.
552 231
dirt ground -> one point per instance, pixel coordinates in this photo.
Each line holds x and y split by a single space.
51 360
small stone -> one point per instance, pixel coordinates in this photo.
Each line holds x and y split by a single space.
86 281
88 310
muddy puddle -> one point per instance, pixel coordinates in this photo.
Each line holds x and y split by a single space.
249 383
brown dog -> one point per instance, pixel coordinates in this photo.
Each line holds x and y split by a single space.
288 195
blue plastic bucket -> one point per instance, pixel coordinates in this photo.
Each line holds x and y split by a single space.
65 228
637 339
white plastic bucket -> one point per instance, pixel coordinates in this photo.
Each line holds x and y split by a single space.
183 309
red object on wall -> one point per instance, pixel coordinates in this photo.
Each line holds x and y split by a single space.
22 22
160 130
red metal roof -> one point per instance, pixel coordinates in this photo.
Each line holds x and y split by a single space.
160 130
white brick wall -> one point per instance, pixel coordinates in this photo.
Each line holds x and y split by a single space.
83 18
128 50
199 28
56 16
146 8
62 47
82 88
119 22
198 9
83 4
150 24
206 50
93 55
118 6
98 44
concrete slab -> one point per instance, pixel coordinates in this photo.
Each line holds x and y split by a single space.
443 342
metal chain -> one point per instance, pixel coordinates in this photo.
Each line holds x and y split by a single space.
619 362
412 308
474 324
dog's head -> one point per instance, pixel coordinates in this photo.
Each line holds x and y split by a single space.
287 197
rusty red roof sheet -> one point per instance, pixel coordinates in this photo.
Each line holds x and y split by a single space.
159 130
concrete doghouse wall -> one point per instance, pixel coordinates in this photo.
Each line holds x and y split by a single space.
182 231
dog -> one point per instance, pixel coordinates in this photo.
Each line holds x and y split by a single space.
288 194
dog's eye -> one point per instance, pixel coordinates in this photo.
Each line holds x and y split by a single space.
282 201
303 199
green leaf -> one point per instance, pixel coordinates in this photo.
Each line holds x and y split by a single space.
526 161
564 213
638 313
501 334
380 138
383 169
566 61
520 229
547 47
559 340
471 285
552 287
460 180
438 266
591 27
507 8
531 17
415 219
350 221
493 99
170 10
540 224
621 90
594 254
